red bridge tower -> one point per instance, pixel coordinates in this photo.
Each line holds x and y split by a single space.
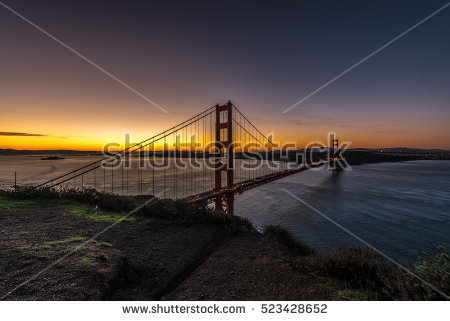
224 143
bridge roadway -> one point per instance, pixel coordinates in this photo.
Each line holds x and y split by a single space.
239 188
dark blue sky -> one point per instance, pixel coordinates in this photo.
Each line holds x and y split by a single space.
264 56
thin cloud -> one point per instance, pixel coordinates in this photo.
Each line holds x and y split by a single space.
20 134
34 135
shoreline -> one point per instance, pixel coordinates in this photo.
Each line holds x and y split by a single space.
362 157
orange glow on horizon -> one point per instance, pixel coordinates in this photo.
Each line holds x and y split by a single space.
71 130
117 144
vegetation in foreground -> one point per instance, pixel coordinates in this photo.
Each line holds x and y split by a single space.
180 212
353 273
285 238
89 196
111 207
363 274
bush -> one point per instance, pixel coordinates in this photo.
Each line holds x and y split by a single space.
359 268
181 212
435 270
105 201
288 240
366 270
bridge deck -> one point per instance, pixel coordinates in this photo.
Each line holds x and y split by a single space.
239 188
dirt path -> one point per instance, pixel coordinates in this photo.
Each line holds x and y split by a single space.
250 267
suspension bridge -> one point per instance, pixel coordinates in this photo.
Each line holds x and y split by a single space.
207 159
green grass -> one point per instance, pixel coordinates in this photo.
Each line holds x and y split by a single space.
42 247
24 233
87 260
49 245
69 240
76 208
352 295
8 203
98 215
106 244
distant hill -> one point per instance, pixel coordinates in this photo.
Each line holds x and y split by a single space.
67 152
401 150
406 149
9 151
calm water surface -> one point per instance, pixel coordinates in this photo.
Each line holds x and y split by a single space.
399 208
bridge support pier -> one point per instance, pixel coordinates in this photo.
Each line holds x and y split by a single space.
224 142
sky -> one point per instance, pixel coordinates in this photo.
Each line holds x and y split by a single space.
188 55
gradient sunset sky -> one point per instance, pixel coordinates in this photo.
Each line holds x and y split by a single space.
188 55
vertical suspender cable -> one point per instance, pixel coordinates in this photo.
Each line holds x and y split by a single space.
175 165
165 165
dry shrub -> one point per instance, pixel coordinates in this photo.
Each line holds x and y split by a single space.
366 270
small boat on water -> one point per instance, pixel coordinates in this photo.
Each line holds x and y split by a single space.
52 158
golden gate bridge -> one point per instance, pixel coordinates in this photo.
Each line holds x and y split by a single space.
207 159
